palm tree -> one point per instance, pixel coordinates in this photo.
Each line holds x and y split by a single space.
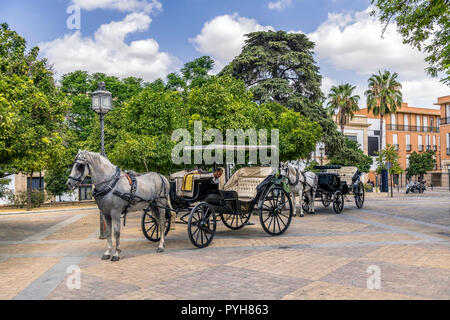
344 102
384 96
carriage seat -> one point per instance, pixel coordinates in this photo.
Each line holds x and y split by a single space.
246 180
345 173
185 181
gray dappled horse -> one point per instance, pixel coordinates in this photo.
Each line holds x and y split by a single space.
150 189
300 182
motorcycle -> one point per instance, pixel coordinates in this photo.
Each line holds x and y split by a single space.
415 186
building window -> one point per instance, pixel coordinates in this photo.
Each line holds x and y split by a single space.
352 138
36 183
408 142
395 141
372 146
376 132
393 121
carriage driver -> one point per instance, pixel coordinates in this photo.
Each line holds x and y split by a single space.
216 175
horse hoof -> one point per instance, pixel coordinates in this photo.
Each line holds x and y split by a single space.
115 258
301 215
106 257
159 250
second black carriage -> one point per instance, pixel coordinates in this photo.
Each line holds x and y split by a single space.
335 183
250 190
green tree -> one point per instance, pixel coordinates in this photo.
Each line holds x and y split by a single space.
423 24
139 137
384 96
420 163
193 74
352 155
389 154
31 108
58 172
225 103
342 100
280 67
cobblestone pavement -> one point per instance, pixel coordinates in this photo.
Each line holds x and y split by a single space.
321 256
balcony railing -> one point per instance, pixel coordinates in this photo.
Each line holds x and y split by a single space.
435 147
405 127
448 151
428 147
445 120
408 147
396 147
420 147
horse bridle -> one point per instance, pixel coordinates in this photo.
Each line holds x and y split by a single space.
297 176
83 163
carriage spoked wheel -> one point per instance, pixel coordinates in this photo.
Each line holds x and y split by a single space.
359 195
275 213
150 226
201 225
305 203
326 200
338 202
235 221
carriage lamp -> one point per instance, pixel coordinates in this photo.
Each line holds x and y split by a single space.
322 149
102 104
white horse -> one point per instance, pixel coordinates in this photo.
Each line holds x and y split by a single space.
140 192
301 182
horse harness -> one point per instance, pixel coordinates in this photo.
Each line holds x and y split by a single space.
297 178
132 198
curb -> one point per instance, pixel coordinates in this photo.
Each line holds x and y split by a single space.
45 211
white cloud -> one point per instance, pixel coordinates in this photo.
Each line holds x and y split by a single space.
223 37
279 5
423 93
121 5
352 41
108 52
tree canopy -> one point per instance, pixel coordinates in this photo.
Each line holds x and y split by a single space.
352 155
280 67
423 24
32 108
344 102
384 96
420 163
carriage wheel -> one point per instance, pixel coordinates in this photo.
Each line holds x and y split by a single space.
150 227
359 195
235 221
305 203
276 211
201 225
326 200
338 202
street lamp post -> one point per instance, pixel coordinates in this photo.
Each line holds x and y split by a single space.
102 104
321 154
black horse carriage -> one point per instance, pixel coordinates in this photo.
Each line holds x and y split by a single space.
334 184
250 190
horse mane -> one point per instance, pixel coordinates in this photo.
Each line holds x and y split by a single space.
97 158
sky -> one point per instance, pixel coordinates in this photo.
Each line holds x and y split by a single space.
151 38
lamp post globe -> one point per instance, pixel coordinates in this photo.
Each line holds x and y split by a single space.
101 104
